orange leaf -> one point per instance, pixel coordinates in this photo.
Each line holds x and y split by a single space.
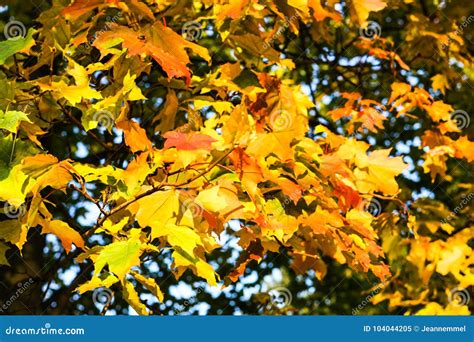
65 233
135 136
188 141
163 44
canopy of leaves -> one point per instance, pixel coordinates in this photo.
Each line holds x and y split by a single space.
194 156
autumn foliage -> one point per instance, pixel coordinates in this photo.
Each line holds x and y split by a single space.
147 144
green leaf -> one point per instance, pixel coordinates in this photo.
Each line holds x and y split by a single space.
10 120
120 256
12 152
247 79
3 257
13 45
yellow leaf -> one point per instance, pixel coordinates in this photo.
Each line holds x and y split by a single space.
362 8
360 221
206 271
36 165
137 171
131 297
130 88
440 82
321 221
10 120
75 93
150 284
96 173
114 228
65 233
451 257
219 106
439 111
158 207
435 160
381 171
179 236
464 148
358 241
13 231
399 89
211 200
447 228
320 13
181 260
14 186
96 282
57 176
436 309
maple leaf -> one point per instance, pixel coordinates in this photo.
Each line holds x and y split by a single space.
362 8
160 42
13 231
132 298
381 171
188 141
320 12
97 282
135 136
65 233
10 120
158 207
80 7
439 110
160 138
150 284
120 256
440 82
75 93
18 44
399 89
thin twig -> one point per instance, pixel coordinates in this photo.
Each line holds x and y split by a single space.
153 190
78 123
